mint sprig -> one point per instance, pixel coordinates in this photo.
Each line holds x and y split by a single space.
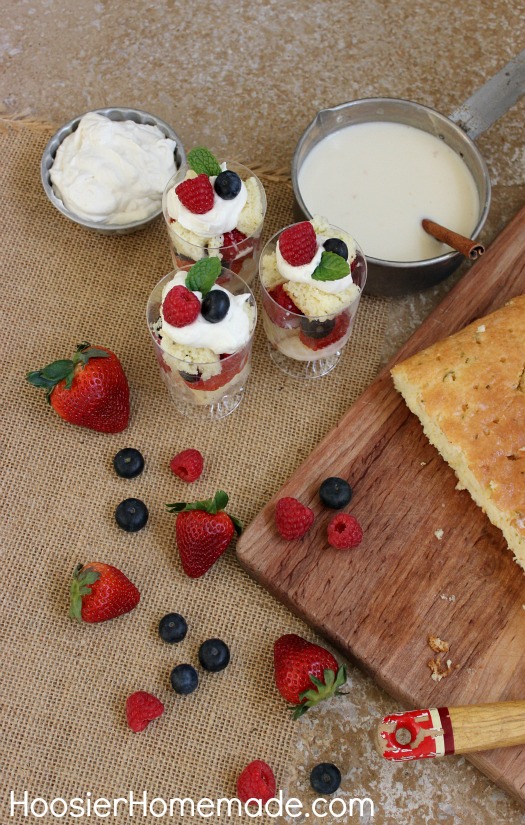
204 162
203 274
331 267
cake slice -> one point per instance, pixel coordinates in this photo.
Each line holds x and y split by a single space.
469 393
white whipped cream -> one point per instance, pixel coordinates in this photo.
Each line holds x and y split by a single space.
226 336
221 218
303 274
113 172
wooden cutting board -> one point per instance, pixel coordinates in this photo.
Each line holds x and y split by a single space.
379 602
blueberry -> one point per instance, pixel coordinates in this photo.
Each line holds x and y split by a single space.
128 463
214 655
335 492
227 185
184 679
215 306
336 246
190 377
131 515
325 778
317 329
172 628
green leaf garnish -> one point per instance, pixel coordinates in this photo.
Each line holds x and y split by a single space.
203 274
204 162
331 267
210 505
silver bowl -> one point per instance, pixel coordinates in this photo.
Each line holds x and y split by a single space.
113 113
394 278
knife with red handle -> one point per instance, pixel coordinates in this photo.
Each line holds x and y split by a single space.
423 734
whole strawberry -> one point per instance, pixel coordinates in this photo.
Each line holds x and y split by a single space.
99 592
90 390
305 673
204 531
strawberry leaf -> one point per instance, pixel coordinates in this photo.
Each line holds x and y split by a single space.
204 162
209 505
321 690
237 524
203 274
331 267
221 499
80 586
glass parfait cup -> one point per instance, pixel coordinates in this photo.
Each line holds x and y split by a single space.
308 346
241 255
202 388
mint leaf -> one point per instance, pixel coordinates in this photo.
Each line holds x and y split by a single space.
331 267
202 161
203 275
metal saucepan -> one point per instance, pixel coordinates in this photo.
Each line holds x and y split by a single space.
393 278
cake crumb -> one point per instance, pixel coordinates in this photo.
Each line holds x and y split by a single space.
438 645
453 598
438 669
439 534
423 463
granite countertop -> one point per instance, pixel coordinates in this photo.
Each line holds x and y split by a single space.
246 79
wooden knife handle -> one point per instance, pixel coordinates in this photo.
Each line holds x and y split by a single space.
422 734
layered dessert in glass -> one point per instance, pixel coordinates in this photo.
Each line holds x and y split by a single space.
215 209
202 319
312 276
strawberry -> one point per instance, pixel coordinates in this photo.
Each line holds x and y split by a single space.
231 367
100 592
298 243
203 532
305 673
141 709
196 194
235 244
90 390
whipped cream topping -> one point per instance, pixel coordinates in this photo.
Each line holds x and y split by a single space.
226 336
303 274
221 218
113 172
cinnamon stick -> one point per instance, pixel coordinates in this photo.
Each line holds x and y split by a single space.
466 246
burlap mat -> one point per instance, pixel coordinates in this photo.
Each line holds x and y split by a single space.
64 685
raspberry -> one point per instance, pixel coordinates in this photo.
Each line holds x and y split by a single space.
141 708
180 306
292 519
232 366
344 532
283 299
282 318
187 465
298 244
235 244
342 322
196 194
257 782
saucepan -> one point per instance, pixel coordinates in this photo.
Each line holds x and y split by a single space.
396 278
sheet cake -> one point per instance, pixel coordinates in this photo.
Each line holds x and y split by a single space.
469 393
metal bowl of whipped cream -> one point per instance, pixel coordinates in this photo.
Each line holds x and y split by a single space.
376 167
111 180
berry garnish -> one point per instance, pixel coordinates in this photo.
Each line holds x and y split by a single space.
298 244
184 679
131 515
344 532
172 628
227 185
180 306
317 329
336 246
342 322
257 782
196 194
335 492
215 306
141 709
187 465
292 519
325 778
128 463
214 655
